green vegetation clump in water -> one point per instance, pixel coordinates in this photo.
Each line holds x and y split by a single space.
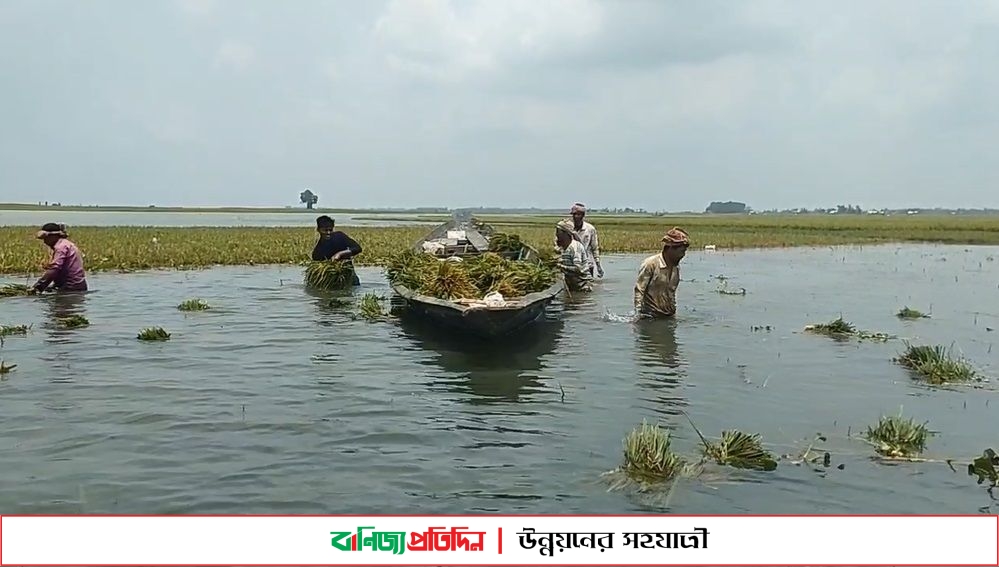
73 321
153 334
897 437
906 313
194 305
471 278
14 290
8 330
740 450
986 467
371 308
936 364
4 368
329 275
834 327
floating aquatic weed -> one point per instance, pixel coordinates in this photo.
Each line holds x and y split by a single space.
897 437
936 364
153 334
14 290
329 275
72 321
194 305
371 308
906 313
8 330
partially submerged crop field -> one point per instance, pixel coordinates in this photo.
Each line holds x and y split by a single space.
136 248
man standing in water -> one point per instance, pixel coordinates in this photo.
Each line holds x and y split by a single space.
334 245
64 271
572 261
659 276
587 234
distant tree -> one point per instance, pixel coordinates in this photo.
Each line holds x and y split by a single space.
726 207
309 198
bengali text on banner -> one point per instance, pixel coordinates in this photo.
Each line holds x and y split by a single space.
499 540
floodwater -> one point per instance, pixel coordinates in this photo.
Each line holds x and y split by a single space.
127 218
277 403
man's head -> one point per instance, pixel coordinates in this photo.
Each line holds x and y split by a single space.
324 226
675 244
578 211
51 233
563 233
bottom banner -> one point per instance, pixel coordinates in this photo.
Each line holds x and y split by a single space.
499 540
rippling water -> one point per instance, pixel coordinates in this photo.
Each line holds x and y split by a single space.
275 402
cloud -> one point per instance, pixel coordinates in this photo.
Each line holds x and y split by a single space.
234 54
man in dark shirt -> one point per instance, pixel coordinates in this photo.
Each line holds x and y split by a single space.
334 245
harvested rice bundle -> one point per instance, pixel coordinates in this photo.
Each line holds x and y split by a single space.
448 280
503 242
14 290
895 437
835 327
936 364
154 334
329 275
7 330
73 321
648 456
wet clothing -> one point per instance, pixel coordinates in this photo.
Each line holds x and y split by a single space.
577 271
65 269
655 290
587 235
338 242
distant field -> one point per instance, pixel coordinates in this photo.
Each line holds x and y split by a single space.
130 248
126 209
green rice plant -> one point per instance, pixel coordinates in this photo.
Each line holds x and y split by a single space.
14 290
153 334
897 437
737 449
72 321
906 313
194 305
329 275
936 364
648 456
370 307
8 330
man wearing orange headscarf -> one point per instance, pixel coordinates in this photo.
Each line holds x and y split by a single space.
659 276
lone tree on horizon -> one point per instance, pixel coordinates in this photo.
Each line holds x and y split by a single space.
309 198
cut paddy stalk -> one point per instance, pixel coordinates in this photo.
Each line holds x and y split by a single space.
9 330
329 275
906 313
897 437
737 449
936 364
841 329
194 305
153 334
14 290
469 278
371 307
72 321
648 456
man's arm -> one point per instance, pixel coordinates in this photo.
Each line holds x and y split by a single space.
52 272
641 284
351 249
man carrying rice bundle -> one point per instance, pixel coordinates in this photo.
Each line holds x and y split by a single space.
334 245
64 271
659 276
573 261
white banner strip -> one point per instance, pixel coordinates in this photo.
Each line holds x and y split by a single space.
499 540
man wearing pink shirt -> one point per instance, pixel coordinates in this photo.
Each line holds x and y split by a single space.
65 270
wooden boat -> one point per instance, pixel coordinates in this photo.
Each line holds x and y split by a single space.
464 236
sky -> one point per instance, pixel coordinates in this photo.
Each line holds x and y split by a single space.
654 104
